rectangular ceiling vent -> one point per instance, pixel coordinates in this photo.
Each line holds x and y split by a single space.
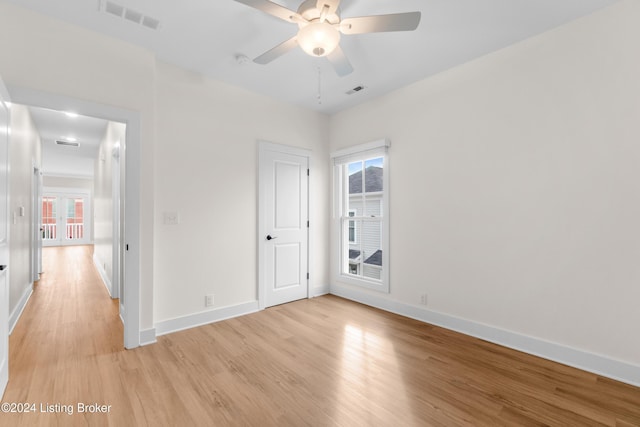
354 90
131 15
67 143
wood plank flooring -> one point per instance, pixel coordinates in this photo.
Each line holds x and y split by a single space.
319 362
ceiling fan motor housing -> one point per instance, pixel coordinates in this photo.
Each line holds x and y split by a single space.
309 11
315 37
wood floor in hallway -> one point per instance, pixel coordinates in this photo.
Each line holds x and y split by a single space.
319 362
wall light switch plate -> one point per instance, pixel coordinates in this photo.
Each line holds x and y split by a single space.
171 218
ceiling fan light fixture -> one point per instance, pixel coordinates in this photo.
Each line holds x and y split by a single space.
318 38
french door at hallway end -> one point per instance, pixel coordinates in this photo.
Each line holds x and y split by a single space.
65 220
283 224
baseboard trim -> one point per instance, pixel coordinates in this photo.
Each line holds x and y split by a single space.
205 317
103 274
17 312
316 292
586 361
148 336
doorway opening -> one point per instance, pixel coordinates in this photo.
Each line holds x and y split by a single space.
76 214
75 187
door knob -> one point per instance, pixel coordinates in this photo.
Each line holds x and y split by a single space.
2 267
270 237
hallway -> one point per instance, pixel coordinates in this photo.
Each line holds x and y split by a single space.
67 334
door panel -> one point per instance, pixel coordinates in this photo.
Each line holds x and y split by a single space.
283 216
287 265
287 195
74 226
49 219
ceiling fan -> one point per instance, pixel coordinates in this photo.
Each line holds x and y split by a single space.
320 26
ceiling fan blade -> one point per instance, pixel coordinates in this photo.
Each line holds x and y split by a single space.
271 8
277 51
330 5
340 62
376 24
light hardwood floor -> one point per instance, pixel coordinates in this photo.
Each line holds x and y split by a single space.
319 362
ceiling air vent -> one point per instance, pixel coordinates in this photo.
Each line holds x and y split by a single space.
131 15
150 22
67 143
114 9
354 90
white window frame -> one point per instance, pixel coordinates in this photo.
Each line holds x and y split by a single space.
340 158
355 227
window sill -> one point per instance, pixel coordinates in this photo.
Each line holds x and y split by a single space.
376 285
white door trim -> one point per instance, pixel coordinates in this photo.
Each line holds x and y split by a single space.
115 246
265 146
130 200
36 221
4 245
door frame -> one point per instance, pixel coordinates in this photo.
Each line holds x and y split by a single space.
36 222
263 147
6 272
115 229
130 200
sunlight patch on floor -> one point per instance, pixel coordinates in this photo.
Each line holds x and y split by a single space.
366 356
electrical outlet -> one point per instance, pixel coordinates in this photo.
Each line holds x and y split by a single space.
208 300
423 299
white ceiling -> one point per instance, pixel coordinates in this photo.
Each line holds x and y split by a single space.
207 35
59 160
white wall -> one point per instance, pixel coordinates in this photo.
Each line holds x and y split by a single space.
67 60
24 149
103 207
515 186
64 182
206 171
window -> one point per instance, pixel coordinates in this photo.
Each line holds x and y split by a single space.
361 215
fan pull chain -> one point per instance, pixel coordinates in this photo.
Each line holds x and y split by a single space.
319 88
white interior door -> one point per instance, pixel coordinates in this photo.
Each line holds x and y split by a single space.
283 224
4 240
